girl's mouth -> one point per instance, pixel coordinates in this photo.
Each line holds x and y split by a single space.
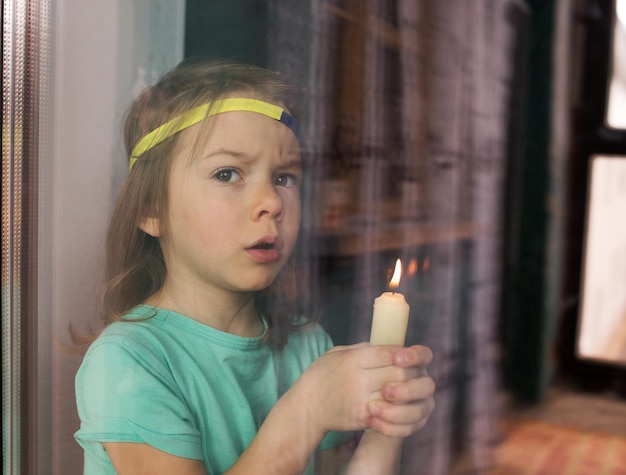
264 245
266 250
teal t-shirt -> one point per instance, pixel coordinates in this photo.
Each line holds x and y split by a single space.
184 387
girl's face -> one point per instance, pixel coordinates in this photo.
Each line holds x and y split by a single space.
234 203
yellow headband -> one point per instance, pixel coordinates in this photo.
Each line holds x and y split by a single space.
200 113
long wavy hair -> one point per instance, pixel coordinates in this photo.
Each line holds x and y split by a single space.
134 267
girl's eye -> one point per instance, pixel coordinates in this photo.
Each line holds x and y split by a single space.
227 175
287 180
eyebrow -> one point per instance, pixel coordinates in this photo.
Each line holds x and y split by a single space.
292 162
225 151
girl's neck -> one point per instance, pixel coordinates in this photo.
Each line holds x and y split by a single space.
228 312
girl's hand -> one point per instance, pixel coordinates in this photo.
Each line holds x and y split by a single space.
340 390
405 404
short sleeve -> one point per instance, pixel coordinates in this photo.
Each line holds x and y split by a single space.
124 395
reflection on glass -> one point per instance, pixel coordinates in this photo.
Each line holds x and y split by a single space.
602 333
406 113
616 107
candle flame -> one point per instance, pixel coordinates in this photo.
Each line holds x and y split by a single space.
397 273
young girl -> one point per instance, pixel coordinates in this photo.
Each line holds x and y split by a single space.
202 366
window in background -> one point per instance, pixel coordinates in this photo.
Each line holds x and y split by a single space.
603 311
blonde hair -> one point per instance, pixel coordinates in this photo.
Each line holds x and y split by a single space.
134 267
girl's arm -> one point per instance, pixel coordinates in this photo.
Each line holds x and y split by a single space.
337 392
131 458
283 445
376 454
404 409
384 388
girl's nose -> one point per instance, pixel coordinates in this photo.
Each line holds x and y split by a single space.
268 202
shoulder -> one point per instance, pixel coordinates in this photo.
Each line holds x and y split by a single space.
138 340
129 359
141 326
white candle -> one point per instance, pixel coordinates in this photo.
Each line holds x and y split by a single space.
391 315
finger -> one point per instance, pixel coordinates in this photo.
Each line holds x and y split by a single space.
416 355
394 429
377 356
348 347
407 391
369 356
378 377
402 414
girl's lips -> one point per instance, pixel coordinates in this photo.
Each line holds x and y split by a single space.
263 255
266 249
